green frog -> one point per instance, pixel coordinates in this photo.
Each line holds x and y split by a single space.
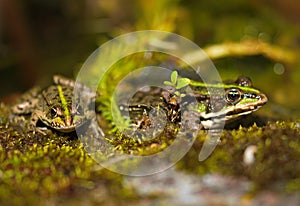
216 102
53 106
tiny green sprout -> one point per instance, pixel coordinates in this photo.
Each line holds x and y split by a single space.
174 77
177 93
182 82
177 83
169 84
173 81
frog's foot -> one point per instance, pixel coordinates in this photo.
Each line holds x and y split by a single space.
33 122
17 120
33 129
41 130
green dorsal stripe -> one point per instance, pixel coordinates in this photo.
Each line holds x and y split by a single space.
63 101
225 86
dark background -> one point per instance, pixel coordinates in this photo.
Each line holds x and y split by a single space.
39 38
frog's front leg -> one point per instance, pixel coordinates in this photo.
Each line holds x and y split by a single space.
35 116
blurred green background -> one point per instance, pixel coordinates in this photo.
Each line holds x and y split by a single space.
39 38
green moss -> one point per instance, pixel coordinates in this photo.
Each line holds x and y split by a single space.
56 165
277 160
35 166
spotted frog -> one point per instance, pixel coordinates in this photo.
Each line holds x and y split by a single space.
54 107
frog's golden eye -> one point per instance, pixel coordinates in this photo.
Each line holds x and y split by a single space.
233 96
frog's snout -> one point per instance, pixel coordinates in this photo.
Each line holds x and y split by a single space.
68 121
263 98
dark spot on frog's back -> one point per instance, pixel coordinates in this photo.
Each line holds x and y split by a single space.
217 106
50 93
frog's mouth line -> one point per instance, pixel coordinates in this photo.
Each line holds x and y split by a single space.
230 115
60 125
236 113
236 110
242 111
214 122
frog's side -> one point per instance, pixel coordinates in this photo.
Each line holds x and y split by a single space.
224 101
54 105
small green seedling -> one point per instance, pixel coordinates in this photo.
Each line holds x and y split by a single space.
177 83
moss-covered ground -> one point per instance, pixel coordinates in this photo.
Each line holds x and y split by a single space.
54 168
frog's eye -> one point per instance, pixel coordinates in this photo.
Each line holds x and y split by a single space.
56 112
233 96
53 112
244 81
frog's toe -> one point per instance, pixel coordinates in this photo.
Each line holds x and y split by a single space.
40 130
